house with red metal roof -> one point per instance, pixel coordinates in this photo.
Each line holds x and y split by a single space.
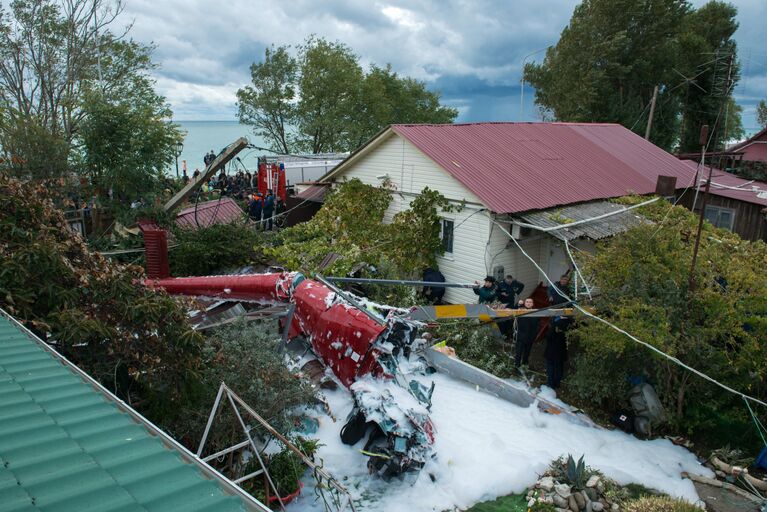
753 149
734 203
509 177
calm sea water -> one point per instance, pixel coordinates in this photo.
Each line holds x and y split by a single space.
202 136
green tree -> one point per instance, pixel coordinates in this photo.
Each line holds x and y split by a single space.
136 341
75 96
330 89
268 105
707 59
716 327
387 98
351 224
761 114
614 52
322 101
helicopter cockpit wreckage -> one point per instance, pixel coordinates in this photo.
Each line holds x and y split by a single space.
360 348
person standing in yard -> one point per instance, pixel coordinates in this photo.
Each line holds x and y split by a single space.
556 351
255 206
268 210
508 290
527 328
560 291
487 291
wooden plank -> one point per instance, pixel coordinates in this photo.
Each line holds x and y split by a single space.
221 160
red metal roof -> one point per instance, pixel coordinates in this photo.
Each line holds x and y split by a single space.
728 185
516 167
753 149
223 211
315 193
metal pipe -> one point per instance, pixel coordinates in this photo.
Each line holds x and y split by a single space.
210 419
226 450
398 281
255 448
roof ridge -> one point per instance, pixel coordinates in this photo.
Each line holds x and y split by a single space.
490 123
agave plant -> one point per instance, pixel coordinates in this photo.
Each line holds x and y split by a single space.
576 473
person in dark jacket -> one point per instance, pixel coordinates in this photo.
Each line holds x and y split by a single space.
268 210
527 328
560 291
508 290
255 206
434 293
487 291
556 351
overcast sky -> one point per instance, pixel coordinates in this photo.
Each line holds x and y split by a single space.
472 51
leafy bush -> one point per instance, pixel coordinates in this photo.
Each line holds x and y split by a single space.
660 504
351 224
716 327
215 248
245 357
478 345
136 341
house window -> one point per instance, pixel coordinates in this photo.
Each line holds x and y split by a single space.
446 235
720 217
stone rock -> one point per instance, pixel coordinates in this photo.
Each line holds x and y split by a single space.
563 490
560 501
546 483
597 506
591 494
593 481
572 504
588 507
580 500
531 502
558 509
615 507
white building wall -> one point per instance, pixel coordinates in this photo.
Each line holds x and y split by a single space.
409 171
503 252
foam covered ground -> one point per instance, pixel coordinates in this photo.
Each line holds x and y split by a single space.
487 447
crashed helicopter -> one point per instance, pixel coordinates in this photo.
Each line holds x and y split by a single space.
361 347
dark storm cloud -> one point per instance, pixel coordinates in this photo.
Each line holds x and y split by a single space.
472 51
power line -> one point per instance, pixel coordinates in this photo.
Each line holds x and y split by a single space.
625 333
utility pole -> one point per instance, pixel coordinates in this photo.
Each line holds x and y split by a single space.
725 97
652 113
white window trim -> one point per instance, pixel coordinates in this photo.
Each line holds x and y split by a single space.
447 255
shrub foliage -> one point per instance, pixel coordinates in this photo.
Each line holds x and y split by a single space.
136 341
717 326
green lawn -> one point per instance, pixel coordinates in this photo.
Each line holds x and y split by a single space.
511 503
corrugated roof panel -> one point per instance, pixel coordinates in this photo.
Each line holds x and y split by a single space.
65 445
517 167
596 230
218 211
728 185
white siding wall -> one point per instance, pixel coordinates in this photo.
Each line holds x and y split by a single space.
410 171
502 251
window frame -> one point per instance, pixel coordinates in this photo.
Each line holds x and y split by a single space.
442 232
718 210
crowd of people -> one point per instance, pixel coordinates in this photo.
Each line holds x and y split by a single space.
525 329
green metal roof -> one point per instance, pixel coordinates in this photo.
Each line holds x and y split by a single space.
67 444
